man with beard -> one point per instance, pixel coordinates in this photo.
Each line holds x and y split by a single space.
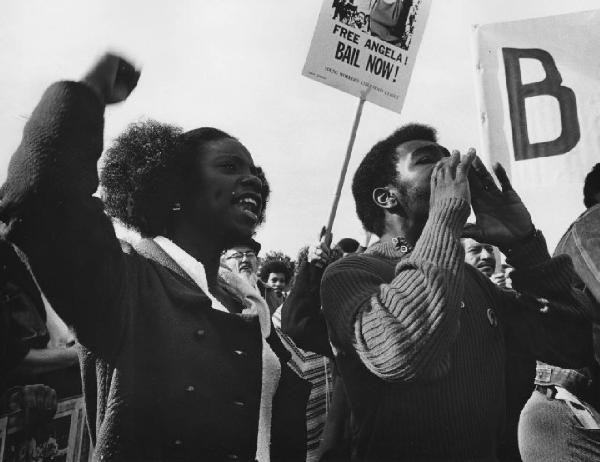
419 335
243 260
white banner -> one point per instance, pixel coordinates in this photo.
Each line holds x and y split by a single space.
539 99
367 47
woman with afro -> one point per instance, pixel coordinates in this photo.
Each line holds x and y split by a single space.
175 365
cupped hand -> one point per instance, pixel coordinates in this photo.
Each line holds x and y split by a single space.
449 177
501 217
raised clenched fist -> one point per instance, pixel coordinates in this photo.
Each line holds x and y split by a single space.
112 78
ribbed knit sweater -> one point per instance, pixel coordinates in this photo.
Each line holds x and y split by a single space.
420 339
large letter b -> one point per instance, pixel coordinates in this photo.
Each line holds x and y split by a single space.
551 85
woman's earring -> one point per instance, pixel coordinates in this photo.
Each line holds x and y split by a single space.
176 207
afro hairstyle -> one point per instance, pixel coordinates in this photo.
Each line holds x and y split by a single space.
591 187
275 266
378 169
146 170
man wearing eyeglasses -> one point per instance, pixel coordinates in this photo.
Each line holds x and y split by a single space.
243 260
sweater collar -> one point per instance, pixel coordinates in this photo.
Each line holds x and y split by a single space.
393 249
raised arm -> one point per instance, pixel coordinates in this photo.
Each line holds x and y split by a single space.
402 330
48 208
548 314
301 316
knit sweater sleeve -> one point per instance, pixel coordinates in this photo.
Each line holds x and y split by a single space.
402 329
50 214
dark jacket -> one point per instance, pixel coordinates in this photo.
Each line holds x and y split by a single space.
165 376
301 315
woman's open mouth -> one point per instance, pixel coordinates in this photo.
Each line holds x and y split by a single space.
249 203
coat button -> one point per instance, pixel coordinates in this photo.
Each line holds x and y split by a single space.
462 304
200 333
240 353
178 443
190 388
239 403
232 457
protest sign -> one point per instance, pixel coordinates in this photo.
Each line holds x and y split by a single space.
538 85
367 47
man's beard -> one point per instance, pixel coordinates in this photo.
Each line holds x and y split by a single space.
251 278
414 201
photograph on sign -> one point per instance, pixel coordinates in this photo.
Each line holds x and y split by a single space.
367 47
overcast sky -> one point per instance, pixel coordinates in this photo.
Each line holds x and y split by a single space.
235 65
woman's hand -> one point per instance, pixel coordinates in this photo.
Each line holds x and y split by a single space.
112 78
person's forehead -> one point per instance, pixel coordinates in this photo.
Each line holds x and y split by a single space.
408 147
277 275
470 243
239 248
227 146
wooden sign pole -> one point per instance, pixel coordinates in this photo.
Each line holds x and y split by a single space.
338 191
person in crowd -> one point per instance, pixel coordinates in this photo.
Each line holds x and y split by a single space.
521 364
28 337
275 275
302 320
480 256
580 241
561 420
483 257
348 246
243 260
288 422
418 334
303 417
172 361
388 20
22 328
310 365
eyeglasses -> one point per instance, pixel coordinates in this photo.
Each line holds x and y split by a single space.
241 255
